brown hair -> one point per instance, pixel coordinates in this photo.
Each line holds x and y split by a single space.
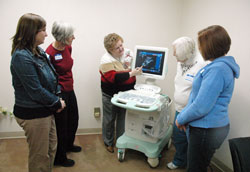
27 28
214 42
110 41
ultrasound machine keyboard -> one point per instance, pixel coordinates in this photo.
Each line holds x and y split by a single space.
138 98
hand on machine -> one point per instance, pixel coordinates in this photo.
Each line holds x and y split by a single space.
136 71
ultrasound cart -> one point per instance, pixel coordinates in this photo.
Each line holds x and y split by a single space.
147 126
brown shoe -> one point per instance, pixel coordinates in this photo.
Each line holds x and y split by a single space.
110 149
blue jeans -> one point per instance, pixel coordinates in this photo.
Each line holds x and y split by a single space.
202 145
113 120
181 144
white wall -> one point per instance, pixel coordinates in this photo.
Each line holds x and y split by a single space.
234 16
144 22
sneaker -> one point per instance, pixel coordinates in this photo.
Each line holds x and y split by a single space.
66 163
171 166
74 148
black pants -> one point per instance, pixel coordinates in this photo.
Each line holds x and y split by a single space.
202 144
66 125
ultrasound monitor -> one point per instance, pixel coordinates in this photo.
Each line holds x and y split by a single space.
153 60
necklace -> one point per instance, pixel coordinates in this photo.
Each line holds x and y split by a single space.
185 67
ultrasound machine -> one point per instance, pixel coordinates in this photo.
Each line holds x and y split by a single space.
147 124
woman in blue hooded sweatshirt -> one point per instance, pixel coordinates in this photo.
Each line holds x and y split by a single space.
206 113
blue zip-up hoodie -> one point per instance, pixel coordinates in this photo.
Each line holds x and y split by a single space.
211 93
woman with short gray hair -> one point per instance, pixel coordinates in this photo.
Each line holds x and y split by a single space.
66 121
189 62
62 31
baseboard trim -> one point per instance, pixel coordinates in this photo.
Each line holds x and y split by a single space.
20 134
220 166
12 135
86 131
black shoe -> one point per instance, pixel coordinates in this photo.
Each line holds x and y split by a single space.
110 149
66 163
74 148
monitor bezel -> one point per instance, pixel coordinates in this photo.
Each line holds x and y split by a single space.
152 48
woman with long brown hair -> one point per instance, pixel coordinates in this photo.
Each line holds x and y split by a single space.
36 92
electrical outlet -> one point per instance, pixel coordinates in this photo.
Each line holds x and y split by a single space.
97 112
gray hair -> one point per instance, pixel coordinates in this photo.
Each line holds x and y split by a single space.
62 31
184 48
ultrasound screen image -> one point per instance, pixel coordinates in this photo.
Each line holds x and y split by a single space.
152 61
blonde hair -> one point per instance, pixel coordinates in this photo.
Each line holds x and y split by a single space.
110 41
184 48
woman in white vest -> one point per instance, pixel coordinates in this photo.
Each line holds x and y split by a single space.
189 62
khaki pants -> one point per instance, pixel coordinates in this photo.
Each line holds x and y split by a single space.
42 141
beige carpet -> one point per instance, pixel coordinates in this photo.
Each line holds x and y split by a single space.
92 158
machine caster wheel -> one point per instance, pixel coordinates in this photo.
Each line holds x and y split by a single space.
121 154
153 162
